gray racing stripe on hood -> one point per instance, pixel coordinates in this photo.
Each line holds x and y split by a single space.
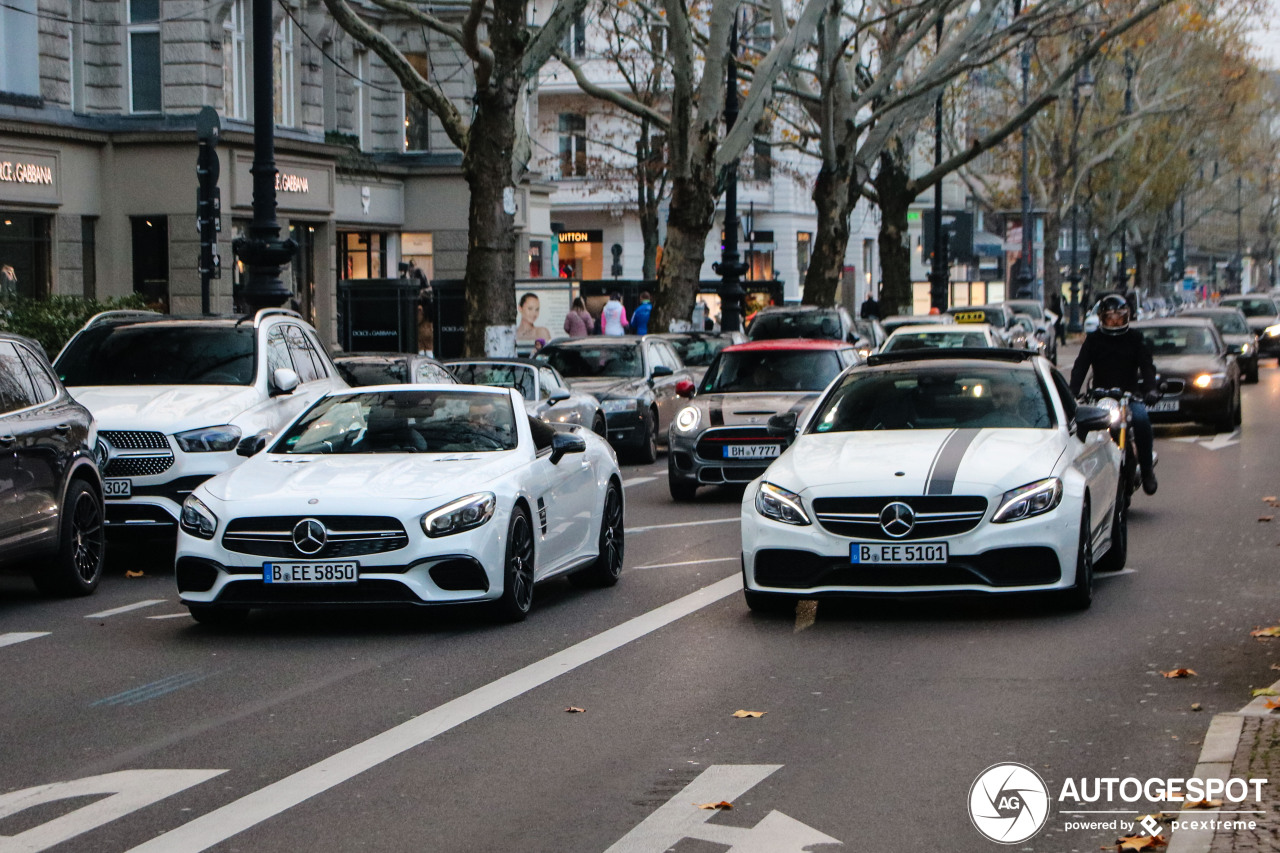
942 473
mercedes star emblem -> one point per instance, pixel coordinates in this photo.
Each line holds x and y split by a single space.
896 519
309 536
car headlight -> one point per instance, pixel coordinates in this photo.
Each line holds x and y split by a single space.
209 439
1272 331
613 407
1112 407
463 514
1210 380
781 505
1247 348
197 519
1032 499
688 418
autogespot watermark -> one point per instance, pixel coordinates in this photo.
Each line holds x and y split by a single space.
1009 803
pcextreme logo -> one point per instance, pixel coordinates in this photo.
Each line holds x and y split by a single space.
1008 803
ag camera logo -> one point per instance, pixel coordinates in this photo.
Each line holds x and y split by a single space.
1008 803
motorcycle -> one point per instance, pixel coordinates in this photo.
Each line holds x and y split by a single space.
1117 402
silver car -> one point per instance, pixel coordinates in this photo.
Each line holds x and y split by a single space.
547 396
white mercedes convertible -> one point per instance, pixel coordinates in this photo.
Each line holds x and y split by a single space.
938 471
404 494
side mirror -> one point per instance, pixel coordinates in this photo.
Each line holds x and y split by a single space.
566 442
783 425
284 381
251 445
557 397
660 370
684 388
1091 419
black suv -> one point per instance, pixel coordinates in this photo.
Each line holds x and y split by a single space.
802 321
50 492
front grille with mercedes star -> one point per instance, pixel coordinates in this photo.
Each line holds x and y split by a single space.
885 519
135 453
318 537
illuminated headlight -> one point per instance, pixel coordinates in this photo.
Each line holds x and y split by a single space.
1247 348
463 514
1273 331
781 505
209 439
197 519
1210 380
613 407
688 418
1032 499
1112 407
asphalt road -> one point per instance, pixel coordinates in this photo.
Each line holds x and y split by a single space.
440 731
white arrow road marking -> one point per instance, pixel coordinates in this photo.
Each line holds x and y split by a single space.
635 481
1219 441
130 790
680 818
20 637
116 611
254 808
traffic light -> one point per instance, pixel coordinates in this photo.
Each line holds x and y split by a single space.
208 200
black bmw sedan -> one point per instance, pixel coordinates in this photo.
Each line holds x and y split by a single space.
1199 376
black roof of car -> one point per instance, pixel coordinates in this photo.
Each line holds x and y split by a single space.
1016 356
1207 311
515 359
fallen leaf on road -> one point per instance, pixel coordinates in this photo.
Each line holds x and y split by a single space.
1275 666
1178 673
1202 804
1195 706
1273 631
1271 704
574 709
1269 499
741 714
1264 691
1265 517
133 574
1140 842
723 804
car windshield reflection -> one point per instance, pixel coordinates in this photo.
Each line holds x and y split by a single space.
622 361
771 370
1179 340
159 354
497 376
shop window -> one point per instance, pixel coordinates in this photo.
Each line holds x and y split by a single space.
573 146
25 252
761 161
89 256
759 265
361 254
804 245
151 260
144 56
19 47
285 77
575 39
234 67
417 135
535 259
417 250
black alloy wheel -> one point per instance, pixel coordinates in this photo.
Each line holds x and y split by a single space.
77 569
599 426
517 575
1080 595
607 567
1118 554
648 452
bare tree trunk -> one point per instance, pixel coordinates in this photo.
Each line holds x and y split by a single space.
895 252
834 195
649 167
693 206
1052 237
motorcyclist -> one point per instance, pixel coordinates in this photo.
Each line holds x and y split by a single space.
1119 359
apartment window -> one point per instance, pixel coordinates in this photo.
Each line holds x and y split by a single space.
234 67
19 48
89 256
760 36
575 39
573 146
144 56
658 40
804 245
535 259
361 95
75 47
416 132
762 161
282 60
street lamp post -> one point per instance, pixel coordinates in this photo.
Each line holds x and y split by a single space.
263 252
1083 85
939 275
1122 271
1026 271
730 269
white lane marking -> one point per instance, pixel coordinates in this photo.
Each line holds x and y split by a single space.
1105 575
687 563
172 616
635 481
21 637
679 818
116 611
129 791
680 524
248 811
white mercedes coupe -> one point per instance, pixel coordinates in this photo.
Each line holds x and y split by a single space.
403 494
938 472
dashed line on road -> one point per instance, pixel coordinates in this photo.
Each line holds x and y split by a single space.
686 563
184 615
635 481
20 637
647 528
116 611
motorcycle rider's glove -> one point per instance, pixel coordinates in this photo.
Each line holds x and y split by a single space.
1151 398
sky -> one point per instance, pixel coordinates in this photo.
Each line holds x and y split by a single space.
1267 37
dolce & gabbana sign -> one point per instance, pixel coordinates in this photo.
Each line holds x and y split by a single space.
301 185
28 176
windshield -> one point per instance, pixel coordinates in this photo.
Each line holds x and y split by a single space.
407 421
801 324
1179 340
898 322
698 352
1228 323
372 372
620 360
934 398
498 376
159 354
934 340
1254 307
1032 309
771 370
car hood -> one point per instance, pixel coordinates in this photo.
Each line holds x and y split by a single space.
1237 340
753 408
1260 324
608 387
165 408
1186 365
282 479
869 463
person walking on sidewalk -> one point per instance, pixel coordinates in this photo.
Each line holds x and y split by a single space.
578 322
613 319
640 317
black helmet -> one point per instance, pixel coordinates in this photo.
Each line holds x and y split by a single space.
1113 315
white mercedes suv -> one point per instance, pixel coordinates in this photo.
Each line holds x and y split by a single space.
174 398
